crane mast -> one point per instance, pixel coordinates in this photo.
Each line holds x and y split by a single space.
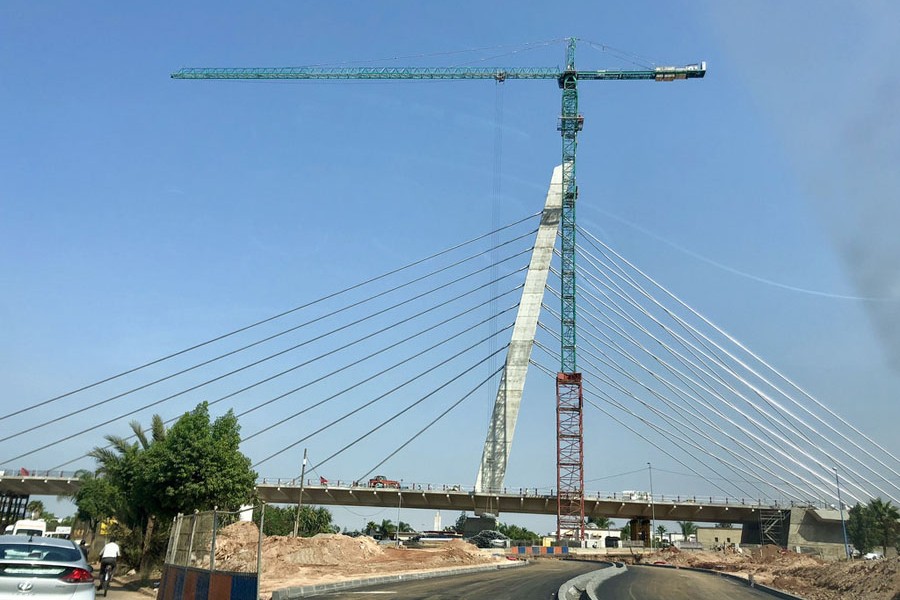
569 392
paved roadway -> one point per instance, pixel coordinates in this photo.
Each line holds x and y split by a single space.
541 581
537 581
653 583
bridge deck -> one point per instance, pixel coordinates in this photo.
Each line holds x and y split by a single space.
455 498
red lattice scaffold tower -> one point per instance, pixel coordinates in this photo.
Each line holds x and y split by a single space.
569 457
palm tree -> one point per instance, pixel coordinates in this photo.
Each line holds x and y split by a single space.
661 531
386 529
119 462
35 507
371 528
315 519
601 522
885 517
688 528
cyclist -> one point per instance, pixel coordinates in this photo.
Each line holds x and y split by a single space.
108 557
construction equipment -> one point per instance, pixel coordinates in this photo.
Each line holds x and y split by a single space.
380 481
569 394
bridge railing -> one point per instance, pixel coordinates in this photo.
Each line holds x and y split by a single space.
38 473
537 492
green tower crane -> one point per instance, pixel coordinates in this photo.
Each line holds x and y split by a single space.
570 453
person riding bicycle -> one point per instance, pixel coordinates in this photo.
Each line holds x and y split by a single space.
108 558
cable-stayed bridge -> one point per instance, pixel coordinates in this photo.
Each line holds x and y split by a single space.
411 373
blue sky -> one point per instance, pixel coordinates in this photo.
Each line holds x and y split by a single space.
140 215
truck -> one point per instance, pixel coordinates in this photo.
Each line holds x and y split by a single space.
380 481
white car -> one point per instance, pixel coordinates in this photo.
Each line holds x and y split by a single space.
873 555
42 568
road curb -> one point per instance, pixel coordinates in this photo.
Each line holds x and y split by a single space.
307 591
575 588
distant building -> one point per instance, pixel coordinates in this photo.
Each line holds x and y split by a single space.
717 537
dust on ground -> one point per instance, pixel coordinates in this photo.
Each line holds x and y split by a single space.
292 562
801 574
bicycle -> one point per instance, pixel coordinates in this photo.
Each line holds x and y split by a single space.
106 573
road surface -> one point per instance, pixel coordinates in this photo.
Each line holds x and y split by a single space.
653 583
537 581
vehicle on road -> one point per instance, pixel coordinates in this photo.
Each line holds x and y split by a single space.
29 527
380 481
490 539
41 568
873 555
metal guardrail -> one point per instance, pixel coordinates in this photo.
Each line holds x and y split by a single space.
37 473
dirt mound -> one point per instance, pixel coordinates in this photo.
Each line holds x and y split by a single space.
290 562
801 574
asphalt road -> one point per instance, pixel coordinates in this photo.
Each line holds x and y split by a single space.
537 581
652 583
541 581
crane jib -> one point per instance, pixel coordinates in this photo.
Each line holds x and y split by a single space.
498 74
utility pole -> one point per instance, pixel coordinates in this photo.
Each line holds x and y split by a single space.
837 480
652 507
300 498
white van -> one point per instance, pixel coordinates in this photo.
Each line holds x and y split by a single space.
30 527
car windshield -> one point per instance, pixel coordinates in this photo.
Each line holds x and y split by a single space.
39 553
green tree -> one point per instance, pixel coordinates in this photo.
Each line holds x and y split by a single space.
601 522
371 528
386 529
626 531
861 528
279 519
885 517
198 466
35 508
460 526
514 532
661 531
122 464
405 527
96 500
688 528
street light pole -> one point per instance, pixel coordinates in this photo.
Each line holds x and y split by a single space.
837 480
399 504
300 498
652 506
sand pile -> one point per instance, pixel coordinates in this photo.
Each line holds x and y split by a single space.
799 574
289 561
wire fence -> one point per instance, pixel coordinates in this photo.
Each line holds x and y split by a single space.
195 541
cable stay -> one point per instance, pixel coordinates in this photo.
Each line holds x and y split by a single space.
676 424
415 436
799 426
708 386
508 244
771 436
369 403
270 319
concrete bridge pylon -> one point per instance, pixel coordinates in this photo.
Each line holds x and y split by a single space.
502 426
